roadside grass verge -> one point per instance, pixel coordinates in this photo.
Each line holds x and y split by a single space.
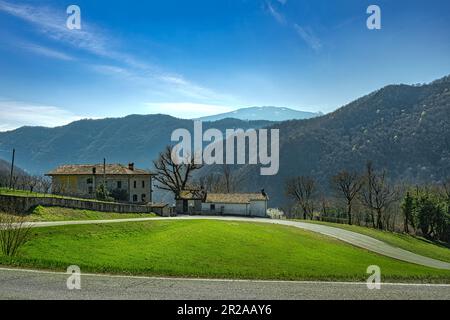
209 249
411 243
41 213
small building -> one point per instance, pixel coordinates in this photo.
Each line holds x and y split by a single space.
189 201
199 202
125 183
237 204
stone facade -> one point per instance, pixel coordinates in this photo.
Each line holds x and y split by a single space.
130 184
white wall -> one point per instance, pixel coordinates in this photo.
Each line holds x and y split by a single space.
228 208
254 209
258 208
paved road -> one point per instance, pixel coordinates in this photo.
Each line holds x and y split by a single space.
22 284
353 238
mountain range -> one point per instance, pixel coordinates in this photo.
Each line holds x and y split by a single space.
264 113
135 138
401 128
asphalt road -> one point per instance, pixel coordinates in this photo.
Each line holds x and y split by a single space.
29 285
353 238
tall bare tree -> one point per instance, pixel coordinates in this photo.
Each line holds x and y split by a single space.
377 195
302 189
348 184
171 175
226 182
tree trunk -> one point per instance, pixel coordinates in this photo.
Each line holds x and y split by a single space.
406 228
349 213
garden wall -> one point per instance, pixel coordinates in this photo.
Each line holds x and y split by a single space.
21 204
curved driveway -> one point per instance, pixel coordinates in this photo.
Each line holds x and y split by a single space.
353 238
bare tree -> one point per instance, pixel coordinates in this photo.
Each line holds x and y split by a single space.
377 195
33 182
45 184
212 182
349 184
226 182
302 189
171 175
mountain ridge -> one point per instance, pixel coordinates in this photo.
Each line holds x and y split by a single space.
269 113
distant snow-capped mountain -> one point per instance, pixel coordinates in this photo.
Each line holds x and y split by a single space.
264 113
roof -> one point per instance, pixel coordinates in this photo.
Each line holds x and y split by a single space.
87 169
191 195
236 198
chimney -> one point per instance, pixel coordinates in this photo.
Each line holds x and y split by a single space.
94 170
131 166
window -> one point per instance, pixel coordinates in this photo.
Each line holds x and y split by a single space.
134 184
135 198
213 207
90 190
143 184
119 184
143 196
89 181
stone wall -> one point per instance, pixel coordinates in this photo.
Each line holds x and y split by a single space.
25 204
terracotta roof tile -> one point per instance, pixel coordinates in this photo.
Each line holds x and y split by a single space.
87 169
238 198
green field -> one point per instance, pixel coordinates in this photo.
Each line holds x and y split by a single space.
24 193
214 249
417 245
65 214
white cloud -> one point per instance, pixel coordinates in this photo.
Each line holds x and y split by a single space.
275 14
15 114
305 33
53 24
186 110
44 51
91 39
308 36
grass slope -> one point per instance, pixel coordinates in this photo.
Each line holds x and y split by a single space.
407 242
41 213
23 193
217 249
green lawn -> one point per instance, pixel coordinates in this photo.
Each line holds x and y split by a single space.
216 249
407 242
24 193
65 214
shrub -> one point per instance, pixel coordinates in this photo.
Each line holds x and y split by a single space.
14 233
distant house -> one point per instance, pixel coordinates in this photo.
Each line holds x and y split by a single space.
126 182
189 201
237 204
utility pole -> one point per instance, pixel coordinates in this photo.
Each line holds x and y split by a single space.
12 169
104 176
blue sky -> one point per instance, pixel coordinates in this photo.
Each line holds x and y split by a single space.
201 57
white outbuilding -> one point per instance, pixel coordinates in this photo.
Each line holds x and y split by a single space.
236 204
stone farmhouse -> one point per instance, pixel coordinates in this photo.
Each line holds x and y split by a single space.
132 184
